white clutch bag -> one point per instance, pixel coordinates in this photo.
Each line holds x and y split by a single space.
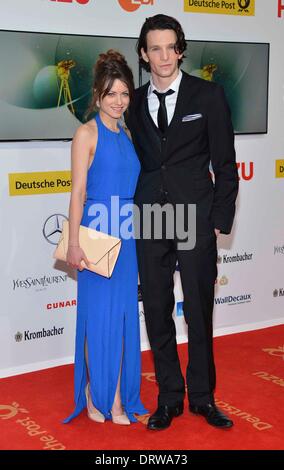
101 249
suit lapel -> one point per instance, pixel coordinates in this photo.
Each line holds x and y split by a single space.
151 131
153 134
185 94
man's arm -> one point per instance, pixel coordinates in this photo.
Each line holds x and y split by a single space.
223 159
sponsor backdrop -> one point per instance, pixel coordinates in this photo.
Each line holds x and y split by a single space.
38 297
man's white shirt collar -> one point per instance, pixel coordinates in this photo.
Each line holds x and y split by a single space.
173 86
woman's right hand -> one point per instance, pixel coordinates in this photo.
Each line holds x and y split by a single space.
75 255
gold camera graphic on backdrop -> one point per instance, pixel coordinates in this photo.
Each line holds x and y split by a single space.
63 73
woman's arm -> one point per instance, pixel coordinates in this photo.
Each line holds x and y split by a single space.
83 145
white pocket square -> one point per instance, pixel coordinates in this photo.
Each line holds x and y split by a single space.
191 117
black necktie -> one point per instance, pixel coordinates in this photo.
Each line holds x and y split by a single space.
162 111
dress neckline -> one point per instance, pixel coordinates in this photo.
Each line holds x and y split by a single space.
104 125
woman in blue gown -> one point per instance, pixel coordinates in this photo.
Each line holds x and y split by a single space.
105 170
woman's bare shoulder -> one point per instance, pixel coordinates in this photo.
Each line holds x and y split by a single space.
87 131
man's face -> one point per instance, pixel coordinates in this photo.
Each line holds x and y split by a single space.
161 55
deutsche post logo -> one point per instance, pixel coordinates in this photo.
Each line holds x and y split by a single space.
244 5
279 169
230 7
45 182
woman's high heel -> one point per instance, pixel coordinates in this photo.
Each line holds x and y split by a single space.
94 415
120 419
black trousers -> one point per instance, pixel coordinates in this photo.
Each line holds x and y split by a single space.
198 269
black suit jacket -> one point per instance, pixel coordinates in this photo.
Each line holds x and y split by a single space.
175 166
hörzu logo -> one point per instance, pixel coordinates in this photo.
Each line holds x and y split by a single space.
245 170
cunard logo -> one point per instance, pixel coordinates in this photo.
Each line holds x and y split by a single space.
18 337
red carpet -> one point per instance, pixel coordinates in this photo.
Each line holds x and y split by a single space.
250 388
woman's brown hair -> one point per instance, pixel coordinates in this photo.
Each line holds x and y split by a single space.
109 67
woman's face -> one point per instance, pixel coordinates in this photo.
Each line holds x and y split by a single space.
116 100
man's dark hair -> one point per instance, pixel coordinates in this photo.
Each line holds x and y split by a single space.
160 22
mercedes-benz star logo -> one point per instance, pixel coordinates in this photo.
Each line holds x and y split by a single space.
52 228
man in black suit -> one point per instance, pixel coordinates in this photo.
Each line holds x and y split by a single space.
179 124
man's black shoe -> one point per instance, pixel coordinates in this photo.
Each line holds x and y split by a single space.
212 415
163 416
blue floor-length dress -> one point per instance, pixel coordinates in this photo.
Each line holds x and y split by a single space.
107 309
